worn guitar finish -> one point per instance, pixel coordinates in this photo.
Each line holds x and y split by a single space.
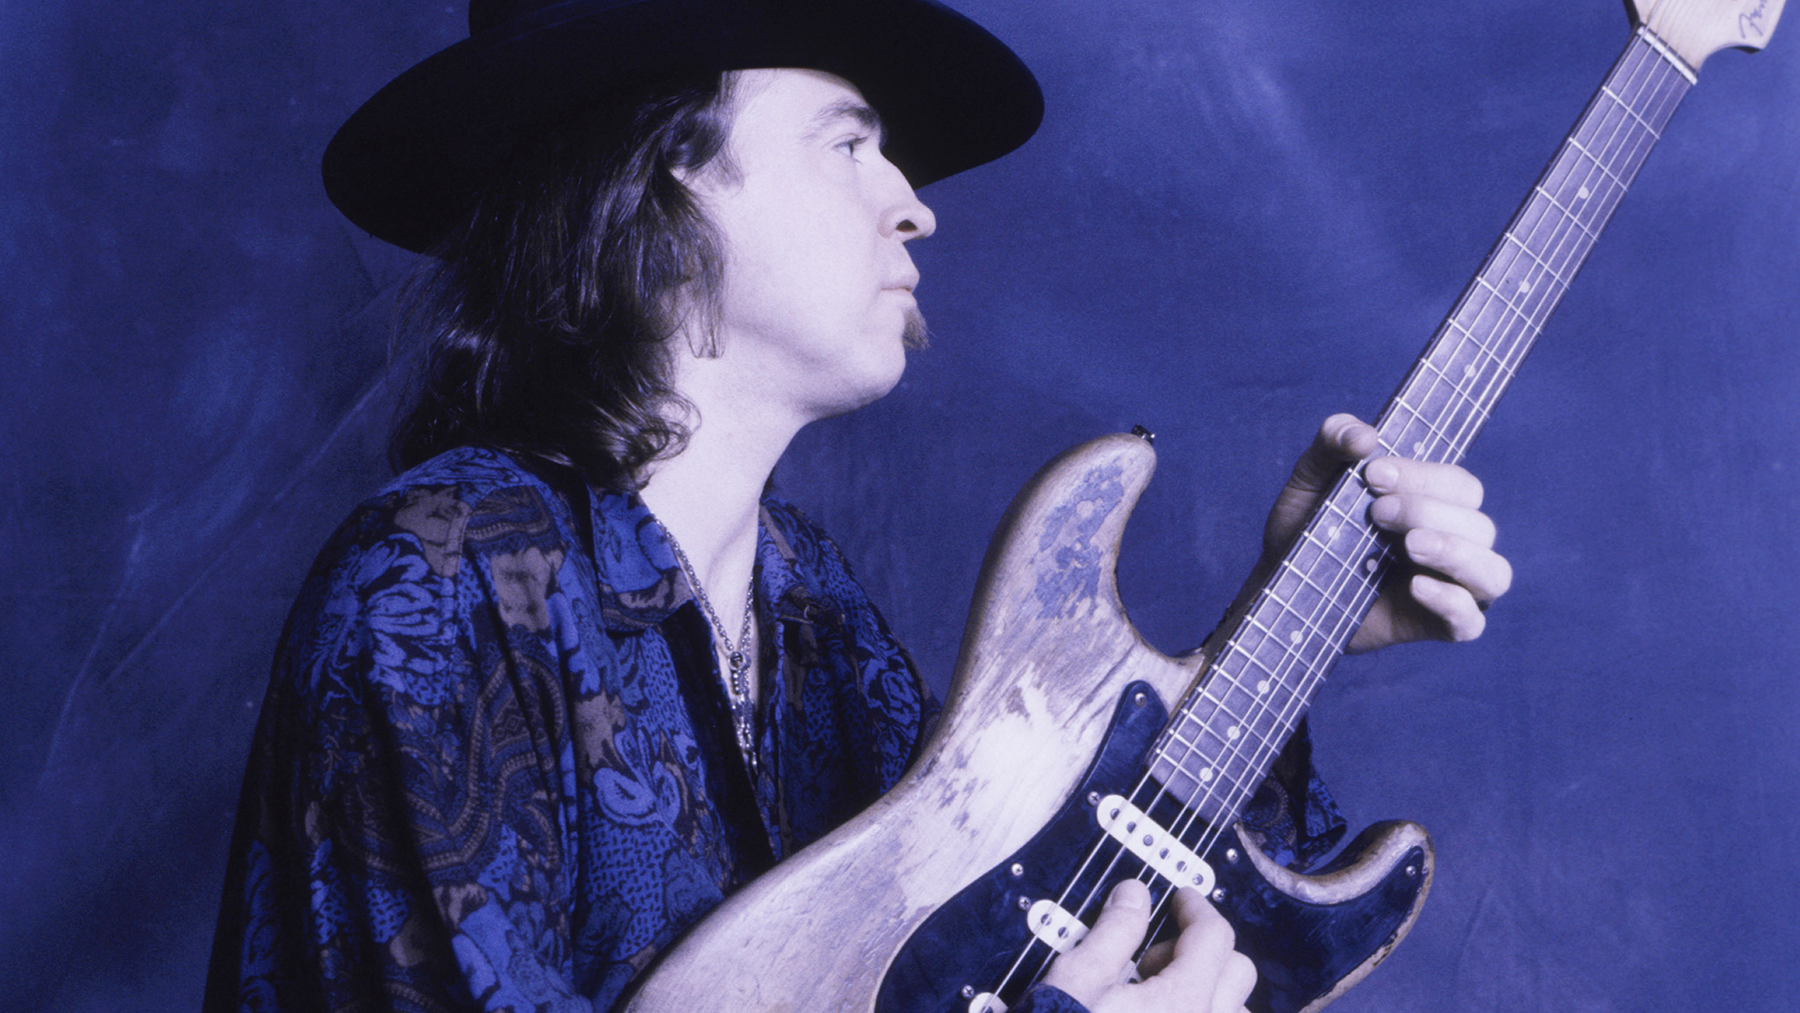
1058 702
1308 935
1047 659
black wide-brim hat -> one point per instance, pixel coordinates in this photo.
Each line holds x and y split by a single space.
406 165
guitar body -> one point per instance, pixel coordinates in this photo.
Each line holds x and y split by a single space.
918 904
1055 696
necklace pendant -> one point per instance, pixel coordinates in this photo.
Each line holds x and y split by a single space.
743 722
739 665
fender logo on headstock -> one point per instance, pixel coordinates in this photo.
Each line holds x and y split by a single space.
1750 24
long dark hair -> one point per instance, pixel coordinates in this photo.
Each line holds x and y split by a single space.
546 314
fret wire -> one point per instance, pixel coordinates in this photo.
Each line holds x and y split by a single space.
1220 705
1307 578
1498 295
1629 111
1526 244
1531 320
1613 122
1525 317
1529 252
1456 382
1220 767
1568 213
1311 628
1420 418
1577 145
1552 260
1607 197
1228 793
1454 385
1226 739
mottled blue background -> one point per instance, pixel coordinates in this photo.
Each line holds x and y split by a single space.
1239 216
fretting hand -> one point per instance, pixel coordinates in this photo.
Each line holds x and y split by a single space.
1451 572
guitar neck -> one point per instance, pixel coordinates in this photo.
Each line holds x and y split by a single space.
1275 650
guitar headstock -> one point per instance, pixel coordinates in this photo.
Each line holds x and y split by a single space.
1696 29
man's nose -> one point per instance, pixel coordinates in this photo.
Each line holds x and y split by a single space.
918 223
907 217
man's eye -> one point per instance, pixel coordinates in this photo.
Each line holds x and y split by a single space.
850 145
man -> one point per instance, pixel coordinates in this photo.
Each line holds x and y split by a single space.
573 677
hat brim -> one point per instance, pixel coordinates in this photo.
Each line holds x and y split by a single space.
406 164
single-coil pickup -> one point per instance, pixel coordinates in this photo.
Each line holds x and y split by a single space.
1053 926
1161 850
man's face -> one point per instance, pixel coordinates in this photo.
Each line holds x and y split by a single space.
818 285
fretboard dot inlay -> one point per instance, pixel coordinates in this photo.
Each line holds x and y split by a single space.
1295 628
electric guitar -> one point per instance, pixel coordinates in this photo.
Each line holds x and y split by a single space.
1061 766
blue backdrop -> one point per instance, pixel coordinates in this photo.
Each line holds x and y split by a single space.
1240 216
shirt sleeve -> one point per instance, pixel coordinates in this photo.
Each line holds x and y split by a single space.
1292 814
387 856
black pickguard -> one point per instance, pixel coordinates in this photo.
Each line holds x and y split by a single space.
1301 949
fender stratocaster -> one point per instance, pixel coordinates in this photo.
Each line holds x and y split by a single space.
1059 767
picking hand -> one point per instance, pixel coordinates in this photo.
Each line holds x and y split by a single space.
1455 574
1198 972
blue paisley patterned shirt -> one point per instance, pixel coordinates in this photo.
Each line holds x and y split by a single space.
495 769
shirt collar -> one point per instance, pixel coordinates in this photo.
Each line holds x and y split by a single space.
641 583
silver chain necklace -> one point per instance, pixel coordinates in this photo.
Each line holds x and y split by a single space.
737 656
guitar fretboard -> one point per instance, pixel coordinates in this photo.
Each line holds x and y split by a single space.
1227 732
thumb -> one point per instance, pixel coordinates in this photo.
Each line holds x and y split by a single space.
1341 439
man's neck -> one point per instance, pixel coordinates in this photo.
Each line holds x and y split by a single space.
709 495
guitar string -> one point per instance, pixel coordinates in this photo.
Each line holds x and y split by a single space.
1523 317
1637 85
1531 318
1475 411
1640 88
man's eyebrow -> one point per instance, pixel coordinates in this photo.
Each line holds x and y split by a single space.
846 109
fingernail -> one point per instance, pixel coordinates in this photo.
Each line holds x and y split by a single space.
1384 511
1124 896
1381 474
1423 545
